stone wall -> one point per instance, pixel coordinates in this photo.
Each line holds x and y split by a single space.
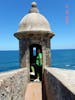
24 45
59 84
13 84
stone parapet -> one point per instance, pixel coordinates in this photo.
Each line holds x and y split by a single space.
59 84
13 84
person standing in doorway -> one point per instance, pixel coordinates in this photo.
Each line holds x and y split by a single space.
39 64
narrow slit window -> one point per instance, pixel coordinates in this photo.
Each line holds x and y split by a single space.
34 51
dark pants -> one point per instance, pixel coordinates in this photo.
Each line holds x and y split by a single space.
38 71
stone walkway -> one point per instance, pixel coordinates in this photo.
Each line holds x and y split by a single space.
34 91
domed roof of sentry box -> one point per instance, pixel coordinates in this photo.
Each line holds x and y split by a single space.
34 21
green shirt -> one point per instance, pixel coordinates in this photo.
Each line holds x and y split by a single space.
38 59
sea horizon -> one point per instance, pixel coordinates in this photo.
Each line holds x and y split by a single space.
51 49
60 58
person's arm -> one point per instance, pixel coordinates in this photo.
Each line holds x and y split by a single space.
41 58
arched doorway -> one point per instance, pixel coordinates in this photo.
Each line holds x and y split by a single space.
33 54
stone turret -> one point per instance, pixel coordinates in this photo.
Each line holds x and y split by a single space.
34 32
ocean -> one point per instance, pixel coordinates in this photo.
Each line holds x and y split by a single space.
63 59
9 60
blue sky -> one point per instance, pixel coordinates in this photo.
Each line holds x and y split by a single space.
12 11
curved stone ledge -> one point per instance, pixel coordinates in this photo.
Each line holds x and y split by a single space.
59 84
13 84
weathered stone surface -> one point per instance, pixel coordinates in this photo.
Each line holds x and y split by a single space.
34 21
25 49
13 84
59 84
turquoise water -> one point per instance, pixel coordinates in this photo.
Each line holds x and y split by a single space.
9 60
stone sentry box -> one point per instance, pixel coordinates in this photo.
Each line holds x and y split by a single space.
34 29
